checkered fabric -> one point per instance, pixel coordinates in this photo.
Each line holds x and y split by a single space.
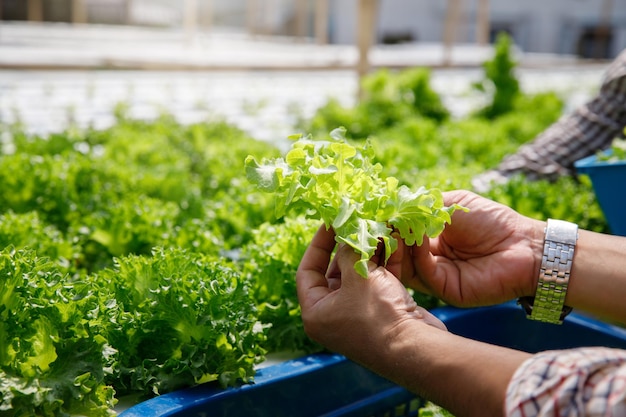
590 128
579 382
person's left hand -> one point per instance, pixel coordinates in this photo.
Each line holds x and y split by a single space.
347 313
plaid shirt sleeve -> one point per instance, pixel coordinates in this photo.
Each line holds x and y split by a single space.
588 129
579 382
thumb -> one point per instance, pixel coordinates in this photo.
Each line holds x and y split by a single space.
345 261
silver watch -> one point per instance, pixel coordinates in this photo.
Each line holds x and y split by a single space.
548 304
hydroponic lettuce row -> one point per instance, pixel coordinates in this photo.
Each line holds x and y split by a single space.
138 259
342 185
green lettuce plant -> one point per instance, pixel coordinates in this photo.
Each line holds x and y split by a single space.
339 182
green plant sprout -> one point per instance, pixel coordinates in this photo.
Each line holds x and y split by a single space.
339 183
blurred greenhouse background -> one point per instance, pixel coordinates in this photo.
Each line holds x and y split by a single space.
124 126
263 64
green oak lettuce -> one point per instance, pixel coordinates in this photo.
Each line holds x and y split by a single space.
270 262
180 319
341 184
54 360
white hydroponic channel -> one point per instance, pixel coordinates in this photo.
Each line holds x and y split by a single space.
266 104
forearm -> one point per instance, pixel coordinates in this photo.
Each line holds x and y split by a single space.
598 278
466 377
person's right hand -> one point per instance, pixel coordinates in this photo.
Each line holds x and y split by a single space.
488 255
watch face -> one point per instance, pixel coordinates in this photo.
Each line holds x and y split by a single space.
562 232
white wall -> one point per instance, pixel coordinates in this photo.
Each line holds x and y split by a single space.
546 26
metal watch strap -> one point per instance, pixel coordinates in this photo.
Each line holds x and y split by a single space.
548 304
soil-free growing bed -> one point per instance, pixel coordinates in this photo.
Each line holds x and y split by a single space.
331 385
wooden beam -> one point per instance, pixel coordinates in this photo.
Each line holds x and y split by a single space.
208 14
129 12
190 16
607 12
482 22
301 12
79 11
453 14
366 30
321 21
601 45
251 15
35 10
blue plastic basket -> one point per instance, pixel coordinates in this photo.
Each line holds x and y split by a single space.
330 385
608 179
315 385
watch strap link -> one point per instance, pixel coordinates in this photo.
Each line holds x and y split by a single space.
556 265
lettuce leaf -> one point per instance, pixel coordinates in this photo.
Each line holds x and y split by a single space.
53 357
338 182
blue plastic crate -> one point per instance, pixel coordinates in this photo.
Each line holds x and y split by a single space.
608 179
315 385
330 385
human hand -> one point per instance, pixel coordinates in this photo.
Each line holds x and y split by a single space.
347 313
488 255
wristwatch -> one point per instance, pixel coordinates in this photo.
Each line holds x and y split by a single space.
548 304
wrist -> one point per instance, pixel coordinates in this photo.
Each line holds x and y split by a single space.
536 238
406 348
384 350
597 281
444 367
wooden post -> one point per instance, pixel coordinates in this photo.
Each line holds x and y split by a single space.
301 18
79 11
482 22
453 14
190 14
366 29
208 17
603 31
35 10
251 15
268 12
321 21
607 11
129 12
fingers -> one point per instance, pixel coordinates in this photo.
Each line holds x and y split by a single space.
395 263
311 280
343 265
317 276
409 264
457 196
424 265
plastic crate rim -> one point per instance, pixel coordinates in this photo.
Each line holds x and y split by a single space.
590 162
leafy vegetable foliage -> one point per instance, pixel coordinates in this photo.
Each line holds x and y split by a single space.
342 185
180 318
54 358
388 99
270 262
139 259
82 228
500 80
